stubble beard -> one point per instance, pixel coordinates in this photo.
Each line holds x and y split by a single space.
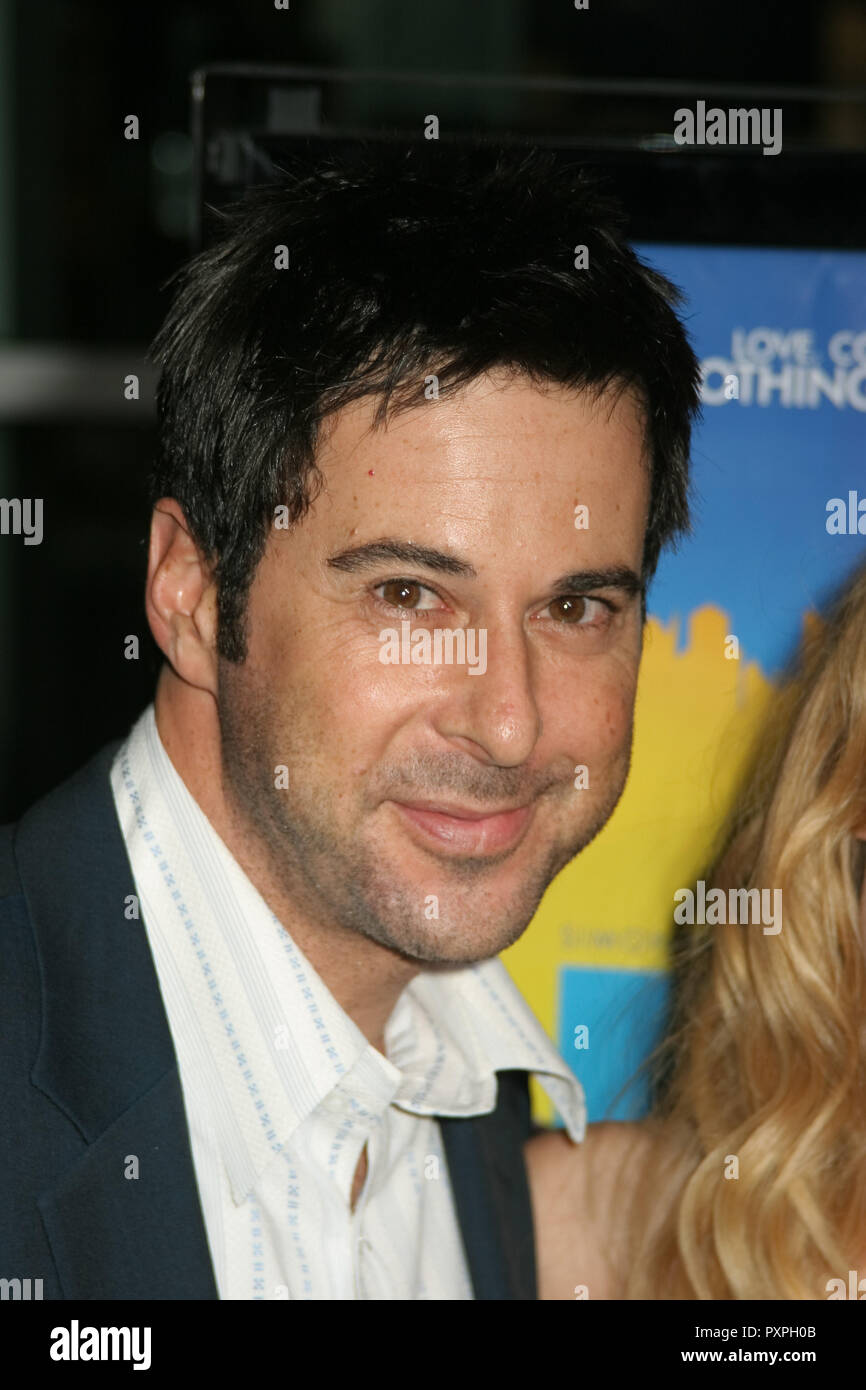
337 883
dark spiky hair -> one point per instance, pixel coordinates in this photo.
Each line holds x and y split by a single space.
445 260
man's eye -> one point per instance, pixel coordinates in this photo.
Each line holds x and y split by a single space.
406 593
578 610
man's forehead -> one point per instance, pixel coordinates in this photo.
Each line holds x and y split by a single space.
503 418
502 483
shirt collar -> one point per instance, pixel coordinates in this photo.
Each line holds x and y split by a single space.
481 1025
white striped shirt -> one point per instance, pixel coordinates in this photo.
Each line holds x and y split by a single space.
281 1089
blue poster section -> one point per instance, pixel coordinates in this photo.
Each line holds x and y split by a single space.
615 1018
791 327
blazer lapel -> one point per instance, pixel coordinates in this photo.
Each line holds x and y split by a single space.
491 1192
125 1221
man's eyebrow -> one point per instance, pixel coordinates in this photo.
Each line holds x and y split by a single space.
402 552
612 577
407 553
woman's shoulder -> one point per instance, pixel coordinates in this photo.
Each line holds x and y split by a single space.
581 1199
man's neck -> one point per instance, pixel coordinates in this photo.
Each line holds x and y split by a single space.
365 978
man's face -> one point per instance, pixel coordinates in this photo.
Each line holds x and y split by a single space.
429 802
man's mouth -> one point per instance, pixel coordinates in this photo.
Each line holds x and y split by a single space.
463 829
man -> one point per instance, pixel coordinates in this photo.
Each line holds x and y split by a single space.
424 427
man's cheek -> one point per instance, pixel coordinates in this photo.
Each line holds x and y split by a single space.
606 715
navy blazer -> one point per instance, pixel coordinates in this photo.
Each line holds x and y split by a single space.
88 1076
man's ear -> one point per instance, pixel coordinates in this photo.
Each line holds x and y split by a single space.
180 598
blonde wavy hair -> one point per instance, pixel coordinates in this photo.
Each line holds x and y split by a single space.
767 1060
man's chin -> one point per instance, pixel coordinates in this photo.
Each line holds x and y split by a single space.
449 950
430 914
454 924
